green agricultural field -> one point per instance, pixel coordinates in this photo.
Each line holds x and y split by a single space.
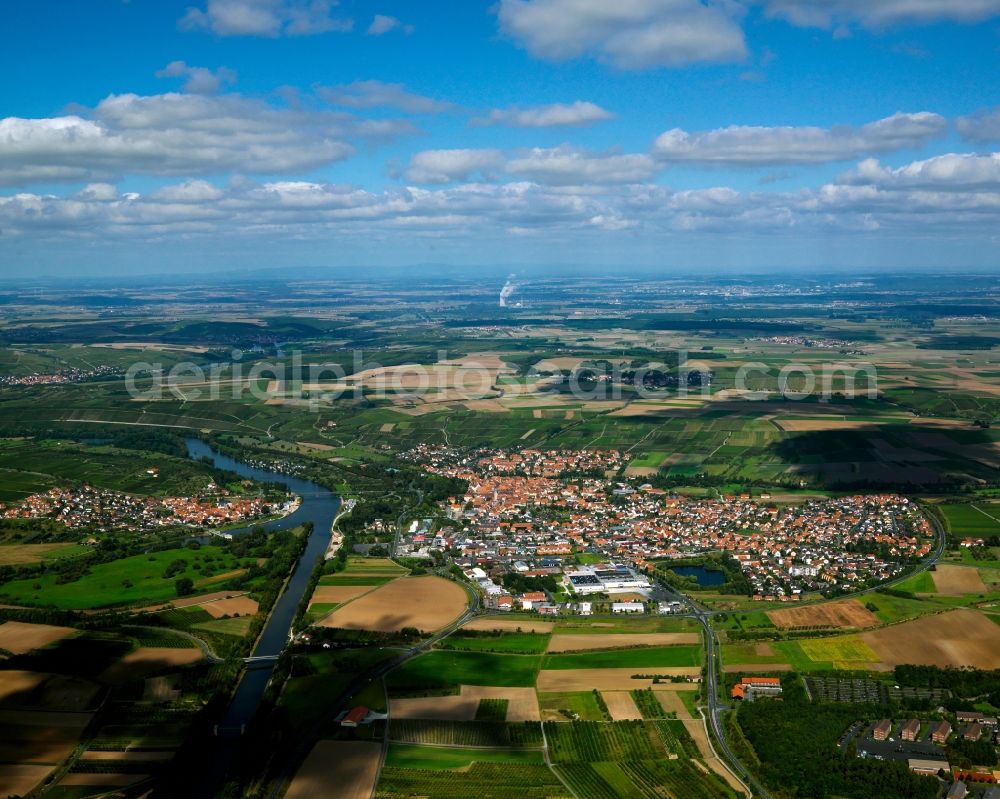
518 643
318 680
129 581
437 757
845 652
645 658
629 760
482 780
972 519
383 565
441 670
747 653
495 734
357 579
625 624
890 608
922 583
588 741
579 705
235 626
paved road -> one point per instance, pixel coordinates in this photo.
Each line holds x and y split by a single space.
309 737
714 665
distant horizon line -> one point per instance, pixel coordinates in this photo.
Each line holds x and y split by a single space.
498 271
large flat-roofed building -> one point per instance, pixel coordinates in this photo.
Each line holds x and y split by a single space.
606 579
628 607
927 767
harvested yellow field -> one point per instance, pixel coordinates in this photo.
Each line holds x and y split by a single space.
18 780
190 601
237 606
570 642
426 602
621 706
339 593
146 660
957 638
351 766
949 579
843 614
555 680
19 637
522 704
509 625
15 682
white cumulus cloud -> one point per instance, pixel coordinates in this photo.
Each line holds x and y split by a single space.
628 34
982 126
574 114
270 18
879 13
364 94
446 166
748 145
180 134
383 23
198 80
950 172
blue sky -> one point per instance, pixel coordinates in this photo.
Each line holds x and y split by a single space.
682 134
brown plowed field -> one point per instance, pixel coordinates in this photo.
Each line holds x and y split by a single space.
522 704
957 638
20 779
345 769
510 625
621 706
849 613
148 659
18 637
427 603
339 593
949 580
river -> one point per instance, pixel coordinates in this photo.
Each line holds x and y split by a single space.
318 506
